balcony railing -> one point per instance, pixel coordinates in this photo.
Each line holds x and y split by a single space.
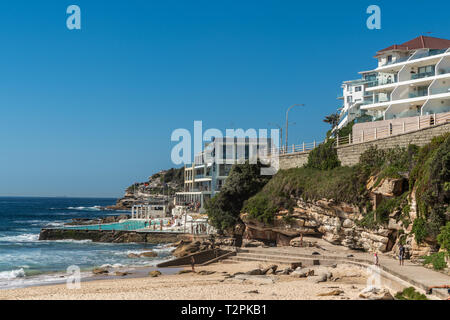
429 53
422 75
440 90
398 60
417 94
376 83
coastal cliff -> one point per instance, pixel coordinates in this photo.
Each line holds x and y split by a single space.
158 187
392 197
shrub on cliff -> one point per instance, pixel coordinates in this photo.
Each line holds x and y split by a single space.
324 157
410 294
431 176
444 237
342 184
244 181
430 179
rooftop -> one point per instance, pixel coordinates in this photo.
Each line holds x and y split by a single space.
422 42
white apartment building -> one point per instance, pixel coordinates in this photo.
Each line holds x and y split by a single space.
207 174
411 79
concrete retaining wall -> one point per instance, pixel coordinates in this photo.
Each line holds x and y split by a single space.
349 154
293 160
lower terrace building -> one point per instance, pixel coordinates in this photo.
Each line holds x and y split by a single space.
207 174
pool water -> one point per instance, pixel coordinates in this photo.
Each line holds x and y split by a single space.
129 225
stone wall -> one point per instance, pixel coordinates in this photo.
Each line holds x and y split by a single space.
293 160
349 154
110 236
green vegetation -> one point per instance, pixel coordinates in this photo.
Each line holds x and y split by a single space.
428 170
410 294
437 260
244 181
332 119
444 237
341 184
174 175
381 214
430 178
324 157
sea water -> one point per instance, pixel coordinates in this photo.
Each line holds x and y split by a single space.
24 260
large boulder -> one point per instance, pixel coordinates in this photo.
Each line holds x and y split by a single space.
390 187
186 248
148 254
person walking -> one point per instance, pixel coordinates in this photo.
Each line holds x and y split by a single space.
193 263
375 258
401 254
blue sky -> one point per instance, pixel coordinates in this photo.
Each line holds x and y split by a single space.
88 112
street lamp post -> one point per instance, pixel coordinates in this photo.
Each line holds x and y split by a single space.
281 134
287 116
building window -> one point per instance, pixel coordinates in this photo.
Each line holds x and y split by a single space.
349 99
389 59
358 89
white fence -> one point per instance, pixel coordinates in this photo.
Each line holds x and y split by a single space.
388 128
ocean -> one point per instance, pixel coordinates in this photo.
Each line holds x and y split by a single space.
25 261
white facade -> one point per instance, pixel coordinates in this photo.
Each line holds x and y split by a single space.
411 79
207 174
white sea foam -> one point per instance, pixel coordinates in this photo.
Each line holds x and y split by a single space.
25 237
54 224
93 208
70 240
115 265
13 274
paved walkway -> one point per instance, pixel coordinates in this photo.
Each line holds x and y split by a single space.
415 274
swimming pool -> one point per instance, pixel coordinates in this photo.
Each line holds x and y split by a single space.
123 225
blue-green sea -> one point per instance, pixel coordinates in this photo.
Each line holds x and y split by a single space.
24 260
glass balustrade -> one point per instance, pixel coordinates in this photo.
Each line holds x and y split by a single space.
422 75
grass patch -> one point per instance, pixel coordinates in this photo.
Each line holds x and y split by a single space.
410 294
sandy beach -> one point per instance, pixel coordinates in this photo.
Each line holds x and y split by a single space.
350 279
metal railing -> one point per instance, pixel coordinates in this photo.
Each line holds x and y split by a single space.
422 75
392 129
296 148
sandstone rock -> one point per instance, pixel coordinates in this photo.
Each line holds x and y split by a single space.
295 265
296 242
322 278
389 187
286 271
254 272
273 268
185 271
303 273
100 271
154 273
393 225
205 272
348 223
331 293
252 291
133 255
374 293
252 243
185 249
148 254
121 274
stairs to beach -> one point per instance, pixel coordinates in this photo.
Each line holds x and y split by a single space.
410 274
282 256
